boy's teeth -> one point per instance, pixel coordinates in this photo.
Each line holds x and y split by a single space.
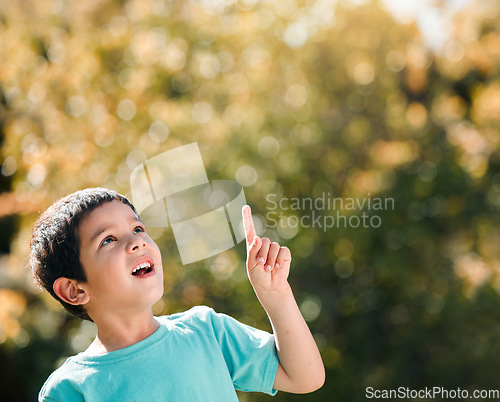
141 266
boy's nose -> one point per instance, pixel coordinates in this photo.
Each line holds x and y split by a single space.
136 244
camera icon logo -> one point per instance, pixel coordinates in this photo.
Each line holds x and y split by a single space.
172 189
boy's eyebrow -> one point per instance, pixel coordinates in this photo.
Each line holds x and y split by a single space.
103 229
99 232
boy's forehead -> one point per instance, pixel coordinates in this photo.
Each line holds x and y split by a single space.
112 208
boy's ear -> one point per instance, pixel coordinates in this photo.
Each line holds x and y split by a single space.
70 291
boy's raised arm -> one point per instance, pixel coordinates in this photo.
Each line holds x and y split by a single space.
301 369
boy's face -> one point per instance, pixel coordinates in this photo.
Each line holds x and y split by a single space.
121 262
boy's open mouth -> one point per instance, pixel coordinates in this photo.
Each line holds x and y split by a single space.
142 269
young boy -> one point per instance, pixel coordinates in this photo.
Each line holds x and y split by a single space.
90 250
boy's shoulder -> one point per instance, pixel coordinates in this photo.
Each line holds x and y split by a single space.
201 312
194 317
203 316
60 383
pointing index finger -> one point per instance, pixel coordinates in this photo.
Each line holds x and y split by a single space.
248 224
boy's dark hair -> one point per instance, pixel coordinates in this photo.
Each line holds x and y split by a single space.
55 244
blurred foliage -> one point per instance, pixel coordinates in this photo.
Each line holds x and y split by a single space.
291 99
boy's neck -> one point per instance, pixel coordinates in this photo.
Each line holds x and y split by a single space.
120 332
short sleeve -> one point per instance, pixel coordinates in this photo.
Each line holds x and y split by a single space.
250 354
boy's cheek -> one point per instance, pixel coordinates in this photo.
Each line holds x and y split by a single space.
153 244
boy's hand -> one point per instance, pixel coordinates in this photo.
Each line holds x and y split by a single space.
300 367
268 264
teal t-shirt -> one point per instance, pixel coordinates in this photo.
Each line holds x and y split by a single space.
198 355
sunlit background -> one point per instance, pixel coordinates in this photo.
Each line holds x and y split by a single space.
296 99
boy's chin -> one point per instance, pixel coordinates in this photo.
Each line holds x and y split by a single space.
158 296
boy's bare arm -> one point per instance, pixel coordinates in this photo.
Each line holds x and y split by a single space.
301 369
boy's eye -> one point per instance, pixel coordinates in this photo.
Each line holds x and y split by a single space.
107 240
139 229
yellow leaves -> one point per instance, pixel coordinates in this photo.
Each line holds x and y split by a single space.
174 56
474 147
473 268
478 57
12 306
476 139
363 182
448 108
477 272
475 255
363 73
147 46
416 115
360 68
296 95
394 153
418 61
416 80
486 108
